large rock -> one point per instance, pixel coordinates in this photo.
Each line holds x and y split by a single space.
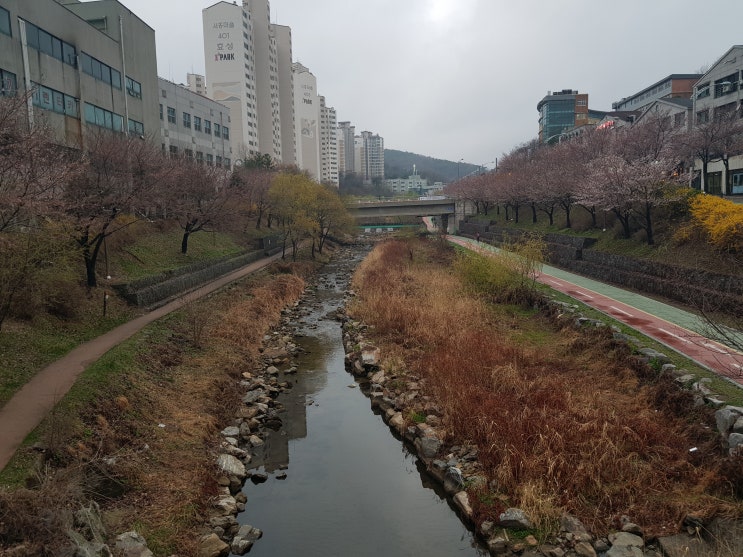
515 519
624 544
462 501
245 538
726 418
131 544
231 466
212 546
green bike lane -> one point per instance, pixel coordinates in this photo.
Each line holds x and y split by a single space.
680 330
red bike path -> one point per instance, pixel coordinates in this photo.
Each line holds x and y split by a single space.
33 402
664 323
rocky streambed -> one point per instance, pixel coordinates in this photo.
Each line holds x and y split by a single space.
306 468
309 467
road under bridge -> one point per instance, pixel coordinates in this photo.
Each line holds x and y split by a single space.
443 208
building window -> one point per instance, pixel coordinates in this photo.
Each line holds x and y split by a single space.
200 156
173 150
188 153
100 71
217 130
208 127
197 123
161 111
56 101
186 120
103 118
209 159
137 128
8 84
48 44
703 117
133 87
225 132
5 21
227 162
703 90
678 119
171 115
219 160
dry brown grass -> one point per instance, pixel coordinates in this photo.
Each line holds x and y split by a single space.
157 480
570 423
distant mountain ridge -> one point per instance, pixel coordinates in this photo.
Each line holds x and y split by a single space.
399 164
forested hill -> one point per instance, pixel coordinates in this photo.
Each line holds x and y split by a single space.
399 164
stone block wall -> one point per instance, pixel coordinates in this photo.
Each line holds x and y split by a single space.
693 287
154 290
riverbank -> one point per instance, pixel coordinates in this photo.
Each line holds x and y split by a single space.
137 434
547 418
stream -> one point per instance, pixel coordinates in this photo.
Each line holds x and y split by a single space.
339 482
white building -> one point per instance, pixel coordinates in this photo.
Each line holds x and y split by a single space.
373 160
242 51
413 183
328 144
196 83
194 126
307 125
346 146
286 93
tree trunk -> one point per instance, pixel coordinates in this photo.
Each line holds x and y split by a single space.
568 224
649 224
184 242
624 219
534 213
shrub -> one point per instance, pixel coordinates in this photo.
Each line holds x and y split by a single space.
720 220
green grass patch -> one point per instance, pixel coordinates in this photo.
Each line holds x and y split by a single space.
27 348
151 254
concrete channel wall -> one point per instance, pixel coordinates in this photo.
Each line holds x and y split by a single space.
693 287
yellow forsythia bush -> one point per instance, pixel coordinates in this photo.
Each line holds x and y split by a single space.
721 220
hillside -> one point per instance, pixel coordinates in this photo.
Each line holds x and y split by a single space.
399 164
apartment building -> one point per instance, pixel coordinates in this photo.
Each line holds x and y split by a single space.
196 84
328 144
88 65
373 159
194 126
307 116
244 55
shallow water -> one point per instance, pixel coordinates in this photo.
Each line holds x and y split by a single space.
352 489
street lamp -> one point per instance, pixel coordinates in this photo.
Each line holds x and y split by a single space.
460 160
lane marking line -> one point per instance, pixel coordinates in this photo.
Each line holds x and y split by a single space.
555 282
621 311
584 294
682 339
713 347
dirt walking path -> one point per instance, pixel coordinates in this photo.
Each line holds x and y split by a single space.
33 402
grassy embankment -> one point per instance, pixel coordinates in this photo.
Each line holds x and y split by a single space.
564 419
30 344
136 431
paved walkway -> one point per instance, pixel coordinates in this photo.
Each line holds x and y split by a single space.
33 402
680 330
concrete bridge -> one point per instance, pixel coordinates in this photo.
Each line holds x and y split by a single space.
422 207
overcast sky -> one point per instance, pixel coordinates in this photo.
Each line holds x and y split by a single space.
461 79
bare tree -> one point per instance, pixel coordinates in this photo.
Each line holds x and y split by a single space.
120 179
